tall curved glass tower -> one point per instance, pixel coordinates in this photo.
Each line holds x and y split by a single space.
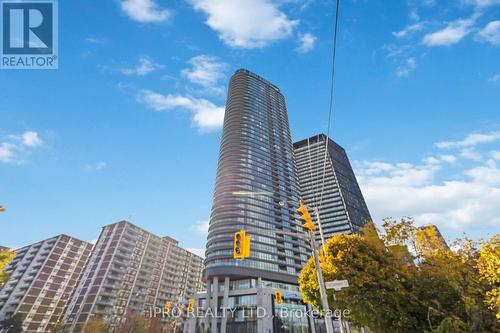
256 190
256 186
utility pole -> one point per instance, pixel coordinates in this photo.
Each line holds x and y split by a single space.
316 211
309 225
322 289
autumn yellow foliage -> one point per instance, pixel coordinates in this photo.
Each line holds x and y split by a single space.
409 281
489 270
5 257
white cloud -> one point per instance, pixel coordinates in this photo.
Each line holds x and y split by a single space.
206 115
14 148
412 190
94 40
488 174
99 165
490 33
414 14
206 71
306 42
145 66
246 23
471 154
494 78
495 155
470 140
7 152
433 160
146 11
483 3
396 51
198 252
201 227
31 139
407 68
428 3
409 29
453 33
448 158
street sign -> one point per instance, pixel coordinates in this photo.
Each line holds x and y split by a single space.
337 284
292 296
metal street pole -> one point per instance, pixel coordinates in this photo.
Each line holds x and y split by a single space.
322 289
316 210
340 317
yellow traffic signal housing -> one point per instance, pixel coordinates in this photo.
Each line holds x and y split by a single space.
191 305
306 217
168 307
241 245
279 297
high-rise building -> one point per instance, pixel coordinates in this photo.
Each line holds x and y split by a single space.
338 198
256 190
42 278
131 270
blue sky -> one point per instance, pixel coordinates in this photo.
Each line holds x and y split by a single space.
128 127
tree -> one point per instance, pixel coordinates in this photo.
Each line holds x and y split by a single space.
154 325
58 327
488 265
399 232
377 297
5 257
451 324
134 323
13 324
96 325
428 240
461 292
411 281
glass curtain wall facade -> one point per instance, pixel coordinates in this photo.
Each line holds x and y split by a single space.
342 207
256 186
256 190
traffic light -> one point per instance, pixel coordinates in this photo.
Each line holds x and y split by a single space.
191 305
279 297
309 225
241 245
168 307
